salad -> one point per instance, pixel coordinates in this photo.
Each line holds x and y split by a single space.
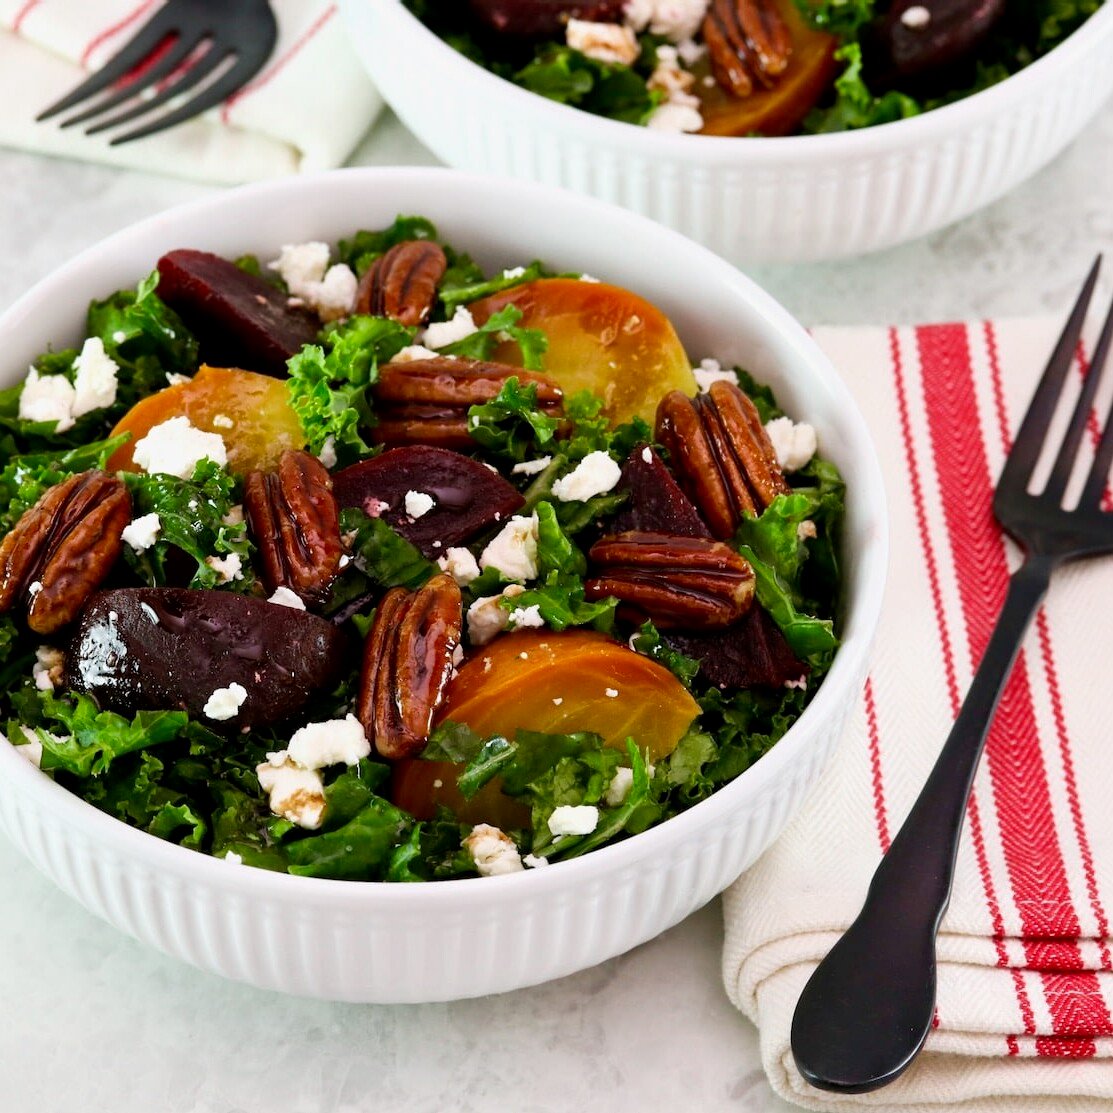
754 67
361 563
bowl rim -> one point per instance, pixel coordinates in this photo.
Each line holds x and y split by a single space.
840 684
940 123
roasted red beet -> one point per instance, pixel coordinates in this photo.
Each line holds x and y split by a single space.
924 38
467 497
240 320
169 648
656 503
542 17
751 654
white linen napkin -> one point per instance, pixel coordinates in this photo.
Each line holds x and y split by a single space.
1025 995
305 110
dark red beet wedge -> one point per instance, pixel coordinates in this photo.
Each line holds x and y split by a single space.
151 649
239 320
656 503
542 17
751 654
468 498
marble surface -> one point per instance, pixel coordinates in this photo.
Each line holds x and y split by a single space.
97 1022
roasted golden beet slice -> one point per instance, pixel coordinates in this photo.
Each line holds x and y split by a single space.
238 319
573 681
467 497
420 787
151 649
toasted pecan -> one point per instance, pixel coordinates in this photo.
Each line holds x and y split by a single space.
402 283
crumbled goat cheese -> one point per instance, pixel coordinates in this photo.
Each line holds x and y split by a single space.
95 382
676 117
47 398
335 296
534 861
669 76
228 568
459 564
223 421
595 474
712 371
611 693
574 819
675 20
486 619
800 682
329 291
620 786
513 550
793 442
176 378
142 533
522 618
414 352
301 264
234 517
175 447
284 597
334 742
234 858
225 703
295 794
48 668
418 503
806 530
514 272
443 333
916 18
647 454
493 851
605 42
557 700
690 51
531 467
327 455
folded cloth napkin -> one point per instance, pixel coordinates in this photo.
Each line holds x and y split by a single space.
305 110
1025 1000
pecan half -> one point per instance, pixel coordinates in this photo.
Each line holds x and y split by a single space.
685 582
407 661
426 401
61 550
721 453
748 43
295 523
402 283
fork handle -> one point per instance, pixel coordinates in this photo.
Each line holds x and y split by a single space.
869 1005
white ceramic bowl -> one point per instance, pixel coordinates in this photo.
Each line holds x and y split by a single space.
354 941
794 199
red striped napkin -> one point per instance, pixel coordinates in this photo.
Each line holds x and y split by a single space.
305 110
1025 1006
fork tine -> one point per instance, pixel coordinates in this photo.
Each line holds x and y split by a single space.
1099 471
196 73
145 40
237 76
165 65
1029 439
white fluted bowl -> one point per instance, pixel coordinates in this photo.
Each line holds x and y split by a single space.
382 942
788 200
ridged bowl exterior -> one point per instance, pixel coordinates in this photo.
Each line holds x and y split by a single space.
790 200
427 942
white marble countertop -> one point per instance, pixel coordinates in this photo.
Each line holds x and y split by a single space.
97 1022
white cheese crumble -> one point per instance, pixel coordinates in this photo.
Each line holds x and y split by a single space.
48 668
329 291
47 398
513 550
493 851
680 111
514 272
284 597
531 467
418 503
574 819
234 517
610 693
459 563
443 333
327 455
34 588
333 742
486 619
595 474
800 682
176 378
234 858
223 421
916 18
534 861
647 454
793 442
176 447
712 371
605 42
225 703
228 568
295 794
557 700
620 786
806 530
675 20
522 618
142 533
95 382
413 353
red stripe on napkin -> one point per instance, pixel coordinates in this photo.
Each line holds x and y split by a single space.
23 13
115 28
879 807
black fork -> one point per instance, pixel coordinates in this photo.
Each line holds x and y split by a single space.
236 34
868 1007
